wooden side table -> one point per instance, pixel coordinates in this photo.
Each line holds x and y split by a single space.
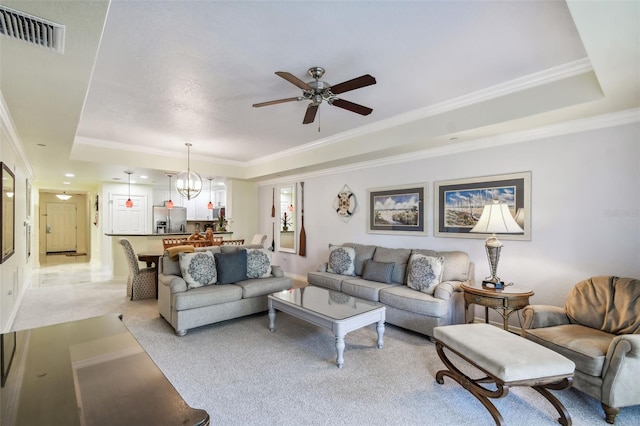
505 301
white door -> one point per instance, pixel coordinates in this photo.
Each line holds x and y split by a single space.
61 227
129 220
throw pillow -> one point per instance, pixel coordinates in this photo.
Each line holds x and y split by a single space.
378 271
342 260
258 263
232 267
198 269
425 272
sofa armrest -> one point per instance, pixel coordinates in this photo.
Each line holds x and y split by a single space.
621 371
175 282
277 271
445 289
538 316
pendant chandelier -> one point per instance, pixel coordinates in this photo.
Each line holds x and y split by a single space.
210 205
129 203
188 183
169 204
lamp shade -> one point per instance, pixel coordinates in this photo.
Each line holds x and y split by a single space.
496 218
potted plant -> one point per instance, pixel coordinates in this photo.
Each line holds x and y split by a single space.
286 222
222 222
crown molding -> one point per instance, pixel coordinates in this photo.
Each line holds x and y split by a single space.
8 127
574 126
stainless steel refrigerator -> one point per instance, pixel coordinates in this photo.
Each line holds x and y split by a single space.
169 221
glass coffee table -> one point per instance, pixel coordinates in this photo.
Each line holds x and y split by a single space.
329 309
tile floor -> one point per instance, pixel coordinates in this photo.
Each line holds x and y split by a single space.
65 270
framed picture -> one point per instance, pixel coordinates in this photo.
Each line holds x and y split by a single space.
7 212
459 204
28 197
397 210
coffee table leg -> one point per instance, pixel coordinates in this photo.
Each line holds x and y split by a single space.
340 349
380 329
272 319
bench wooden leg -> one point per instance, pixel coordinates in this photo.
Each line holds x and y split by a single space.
502 389
565 418
481 393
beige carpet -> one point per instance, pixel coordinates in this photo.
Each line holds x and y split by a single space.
244 375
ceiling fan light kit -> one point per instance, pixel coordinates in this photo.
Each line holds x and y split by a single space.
317 91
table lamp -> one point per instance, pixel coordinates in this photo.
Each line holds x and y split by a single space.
496 218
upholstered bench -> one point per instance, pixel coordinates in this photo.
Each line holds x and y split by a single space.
507 360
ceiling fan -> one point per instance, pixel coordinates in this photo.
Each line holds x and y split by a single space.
317 91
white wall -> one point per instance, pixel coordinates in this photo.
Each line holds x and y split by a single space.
585 209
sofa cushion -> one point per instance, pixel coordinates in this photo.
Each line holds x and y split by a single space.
258 263
206 296
263 286
424 272
585 346
232 267
325 280
606 303
341 260
407 299
363 253
378 271
399 256
364 289
198 269
456 263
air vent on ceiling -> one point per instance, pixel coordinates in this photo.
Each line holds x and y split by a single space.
34 30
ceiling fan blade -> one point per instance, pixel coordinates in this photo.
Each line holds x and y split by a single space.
279 101
350 106
310 115
356 83
293 80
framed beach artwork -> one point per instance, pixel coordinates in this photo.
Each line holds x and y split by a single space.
397 210
459 204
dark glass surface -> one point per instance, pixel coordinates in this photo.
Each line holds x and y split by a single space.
89 372
330 303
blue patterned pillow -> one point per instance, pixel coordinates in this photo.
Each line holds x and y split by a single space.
258 263
342 260
198 269
425 272
232 267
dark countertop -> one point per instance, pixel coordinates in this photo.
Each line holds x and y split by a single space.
186 234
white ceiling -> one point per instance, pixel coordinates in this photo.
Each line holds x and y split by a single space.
139 79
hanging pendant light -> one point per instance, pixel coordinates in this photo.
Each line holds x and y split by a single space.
210 205
169 204
188 183
129 203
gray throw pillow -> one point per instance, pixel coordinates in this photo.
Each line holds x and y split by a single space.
198 269
232 267
378 271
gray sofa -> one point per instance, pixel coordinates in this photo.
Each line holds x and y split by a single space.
405 306
187 308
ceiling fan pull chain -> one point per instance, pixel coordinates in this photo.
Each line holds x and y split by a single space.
318 121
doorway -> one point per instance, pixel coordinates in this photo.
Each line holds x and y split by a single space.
61 227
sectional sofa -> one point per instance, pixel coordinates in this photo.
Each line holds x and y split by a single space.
201 286
391 276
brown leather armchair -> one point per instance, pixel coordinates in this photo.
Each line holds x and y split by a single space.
599 330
